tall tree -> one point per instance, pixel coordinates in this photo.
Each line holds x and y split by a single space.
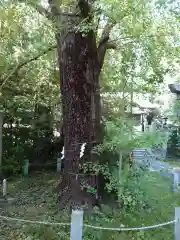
80 64
82 36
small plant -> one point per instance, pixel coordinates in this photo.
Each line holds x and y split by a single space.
132 196
111 182
91 190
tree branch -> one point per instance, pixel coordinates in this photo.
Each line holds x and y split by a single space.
106 31
84 8
55 10
39 9
111 45
43 12
37 56
20 65
103 43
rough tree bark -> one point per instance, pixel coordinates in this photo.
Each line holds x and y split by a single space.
80 67
76 89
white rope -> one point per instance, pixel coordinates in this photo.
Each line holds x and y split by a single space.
89 226
33 222
131 229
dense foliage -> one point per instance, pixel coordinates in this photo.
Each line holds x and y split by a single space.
142 48
138 46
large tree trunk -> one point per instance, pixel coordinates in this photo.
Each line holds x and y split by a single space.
80 68
76 90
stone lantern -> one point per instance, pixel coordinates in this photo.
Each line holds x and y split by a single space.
1 136
175 88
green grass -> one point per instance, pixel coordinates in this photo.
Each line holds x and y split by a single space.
161 208
36 200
